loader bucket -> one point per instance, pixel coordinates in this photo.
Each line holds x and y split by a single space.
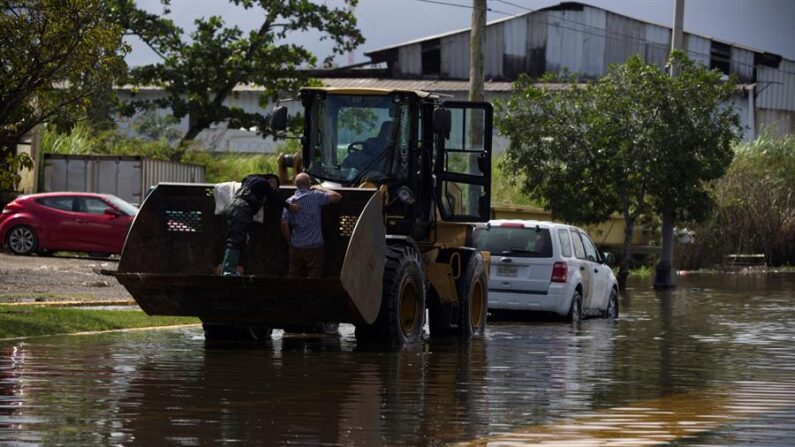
175 246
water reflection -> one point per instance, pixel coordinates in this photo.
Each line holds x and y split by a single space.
715 347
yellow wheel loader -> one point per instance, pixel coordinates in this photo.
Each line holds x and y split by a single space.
414 172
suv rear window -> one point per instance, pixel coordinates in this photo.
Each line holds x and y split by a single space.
514 241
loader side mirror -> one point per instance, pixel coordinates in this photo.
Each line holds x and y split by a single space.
442 121
279 119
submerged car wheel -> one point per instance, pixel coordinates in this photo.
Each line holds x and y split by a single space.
22 240
575 312
611 312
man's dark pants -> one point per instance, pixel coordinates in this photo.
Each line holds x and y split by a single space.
306 262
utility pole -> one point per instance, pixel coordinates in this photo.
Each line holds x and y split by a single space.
474 121
476 43
665 273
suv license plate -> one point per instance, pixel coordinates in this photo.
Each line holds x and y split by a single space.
506 270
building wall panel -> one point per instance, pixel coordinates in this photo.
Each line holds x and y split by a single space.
410 60
657 45
494 55
623 39
698 48
776 86
537 43
781 121
742 64
591 33
455 56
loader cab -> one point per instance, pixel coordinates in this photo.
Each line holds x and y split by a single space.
433 156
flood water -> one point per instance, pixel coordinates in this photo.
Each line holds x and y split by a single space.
712 363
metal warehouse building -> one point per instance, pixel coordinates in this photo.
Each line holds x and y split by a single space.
583 39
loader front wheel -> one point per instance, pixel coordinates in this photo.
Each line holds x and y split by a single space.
402 315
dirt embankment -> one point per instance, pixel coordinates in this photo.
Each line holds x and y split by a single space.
39 278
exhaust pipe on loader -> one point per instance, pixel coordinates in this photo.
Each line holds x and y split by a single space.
176 242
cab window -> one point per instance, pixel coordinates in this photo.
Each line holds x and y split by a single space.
579 250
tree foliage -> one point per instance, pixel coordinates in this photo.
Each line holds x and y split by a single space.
55 55
199 71
755 207
635 141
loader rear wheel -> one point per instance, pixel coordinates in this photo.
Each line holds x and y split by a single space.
467 317
472 299
402 315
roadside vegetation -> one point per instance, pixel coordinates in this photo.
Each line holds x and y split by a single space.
31 321
754 207
84 139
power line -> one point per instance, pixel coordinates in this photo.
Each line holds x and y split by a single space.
438 2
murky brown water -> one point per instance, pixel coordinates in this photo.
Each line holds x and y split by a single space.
711 364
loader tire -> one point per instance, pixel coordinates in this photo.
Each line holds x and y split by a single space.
467 317
402 314
234 332
325 328
472 298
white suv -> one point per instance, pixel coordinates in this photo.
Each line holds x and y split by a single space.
546 267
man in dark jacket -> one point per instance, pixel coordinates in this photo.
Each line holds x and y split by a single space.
256 191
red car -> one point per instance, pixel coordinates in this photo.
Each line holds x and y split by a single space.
66 221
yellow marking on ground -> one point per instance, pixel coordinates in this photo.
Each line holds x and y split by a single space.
82 303
109 331
656 421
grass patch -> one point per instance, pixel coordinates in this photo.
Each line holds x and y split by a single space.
642 272
24 321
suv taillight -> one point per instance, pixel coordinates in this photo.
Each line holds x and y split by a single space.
560 272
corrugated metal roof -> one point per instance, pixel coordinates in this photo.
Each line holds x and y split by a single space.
425 85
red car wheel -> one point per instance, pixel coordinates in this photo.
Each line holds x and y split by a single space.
21 240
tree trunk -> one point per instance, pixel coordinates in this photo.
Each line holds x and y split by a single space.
665 273
626 256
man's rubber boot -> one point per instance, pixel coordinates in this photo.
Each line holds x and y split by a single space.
229 266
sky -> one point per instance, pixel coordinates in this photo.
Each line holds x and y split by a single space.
767 25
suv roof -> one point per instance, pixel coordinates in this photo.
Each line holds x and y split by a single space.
526 223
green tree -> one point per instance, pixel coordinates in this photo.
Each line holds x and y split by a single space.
55 55
200 71
634 142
